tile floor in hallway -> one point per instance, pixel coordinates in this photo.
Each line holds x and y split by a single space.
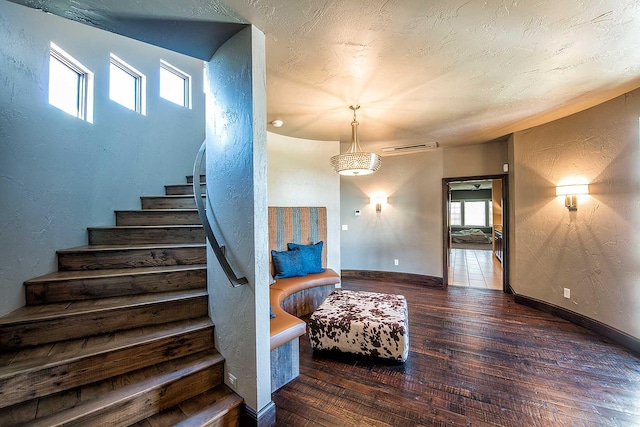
475 269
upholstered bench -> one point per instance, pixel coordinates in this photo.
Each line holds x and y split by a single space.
294 293
366 323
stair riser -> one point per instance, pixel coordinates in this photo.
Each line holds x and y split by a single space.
156 218
203 178
105 287
131 258
61 328
146 236
159 202
176 392
180 190
224 413
24 386
144 405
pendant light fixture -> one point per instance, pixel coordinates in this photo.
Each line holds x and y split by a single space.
355 162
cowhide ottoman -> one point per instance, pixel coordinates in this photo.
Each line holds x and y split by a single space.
358 322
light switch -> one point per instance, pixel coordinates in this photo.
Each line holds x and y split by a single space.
345 227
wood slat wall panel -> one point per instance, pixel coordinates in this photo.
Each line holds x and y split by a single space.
306 301
303 225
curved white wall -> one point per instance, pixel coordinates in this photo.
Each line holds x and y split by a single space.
299 174
237 164
60 175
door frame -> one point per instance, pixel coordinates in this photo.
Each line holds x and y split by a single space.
506 288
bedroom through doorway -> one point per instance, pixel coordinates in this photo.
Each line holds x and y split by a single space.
474 226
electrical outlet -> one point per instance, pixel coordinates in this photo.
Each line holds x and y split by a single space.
567 293
232 379
396 262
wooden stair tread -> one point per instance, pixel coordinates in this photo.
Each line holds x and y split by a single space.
44 355
101 248
144 227
216 410
89 274
200 410
182 189
203 179
171 196
55 367
138 395
131 255
181 210
39 313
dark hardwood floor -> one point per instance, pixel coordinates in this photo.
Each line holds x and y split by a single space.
476 358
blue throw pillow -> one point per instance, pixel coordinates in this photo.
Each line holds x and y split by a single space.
271 315
311 256
287 264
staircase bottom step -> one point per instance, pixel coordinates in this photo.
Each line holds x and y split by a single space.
125 399
219 407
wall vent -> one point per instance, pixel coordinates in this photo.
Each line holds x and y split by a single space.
405 149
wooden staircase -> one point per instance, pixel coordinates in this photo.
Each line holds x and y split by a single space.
120 335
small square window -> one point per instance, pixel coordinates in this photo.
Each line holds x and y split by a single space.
126 85
175 85
70 84
475 214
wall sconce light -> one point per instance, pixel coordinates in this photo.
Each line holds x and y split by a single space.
378 201
571 193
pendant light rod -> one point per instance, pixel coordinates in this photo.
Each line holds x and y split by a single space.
355 145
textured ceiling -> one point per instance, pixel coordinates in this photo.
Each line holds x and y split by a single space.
446 71
450 71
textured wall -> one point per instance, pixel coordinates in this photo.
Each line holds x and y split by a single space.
299 175
237 163
594 251
474 160
410 226
59 174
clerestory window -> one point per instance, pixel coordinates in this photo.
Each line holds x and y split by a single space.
175 85
127 85
70 84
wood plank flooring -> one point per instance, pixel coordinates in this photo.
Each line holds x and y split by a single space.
476 359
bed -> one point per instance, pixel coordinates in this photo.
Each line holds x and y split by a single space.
471 235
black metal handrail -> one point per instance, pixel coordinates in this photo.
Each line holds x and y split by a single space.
218 249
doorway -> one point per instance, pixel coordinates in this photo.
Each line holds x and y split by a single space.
475 232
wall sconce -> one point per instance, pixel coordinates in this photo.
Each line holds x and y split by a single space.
378 201
571 193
